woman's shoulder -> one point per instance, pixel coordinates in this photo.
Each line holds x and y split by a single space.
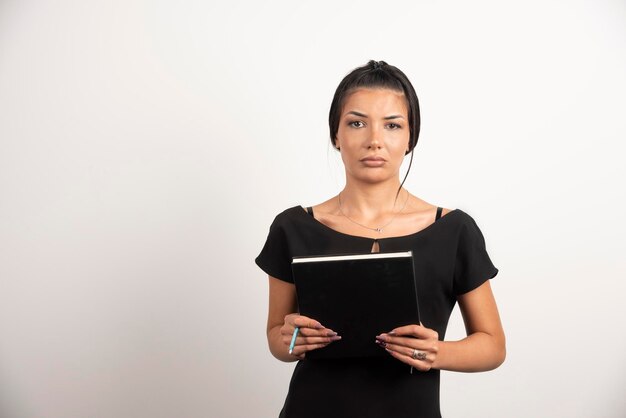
457 215
291 211
288 216
327 206
422 209
462 215
464 225
454 216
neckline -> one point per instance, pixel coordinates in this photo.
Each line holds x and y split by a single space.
312 218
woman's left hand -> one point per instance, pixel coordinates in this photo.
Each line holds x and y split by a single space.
414 345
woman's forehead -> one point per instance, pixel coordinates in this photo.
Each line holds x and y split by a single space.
375 100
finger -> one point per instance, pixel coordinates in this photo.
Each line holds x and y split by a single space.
300 341
301 321
422 366
323 332
317 340
305 322
430 345
287 330
418 331
409 352
302 349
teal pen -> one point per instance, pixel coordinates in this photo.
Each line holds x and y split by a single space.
293 339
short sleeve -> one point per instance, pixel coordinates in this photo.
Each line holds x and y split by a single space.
473 266
275 257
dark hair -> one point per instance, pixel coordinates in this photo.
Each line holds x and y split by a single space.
377 74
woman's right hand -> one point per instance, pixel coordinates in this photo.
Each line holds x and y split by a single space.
312 334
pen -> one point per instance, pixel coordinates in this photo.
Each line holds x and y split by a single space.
293 339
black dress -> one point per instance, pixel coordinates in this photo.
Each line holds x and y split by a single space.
450 259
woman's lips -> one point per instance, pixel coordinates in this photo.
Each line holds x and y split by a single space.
373 161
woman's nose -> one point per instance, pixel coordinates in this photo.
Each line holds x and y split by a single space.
375 140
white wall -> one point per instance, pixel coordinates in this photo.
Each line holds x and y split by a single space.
145 147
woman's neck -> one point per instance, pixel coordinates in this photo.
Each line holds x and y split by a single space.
372 200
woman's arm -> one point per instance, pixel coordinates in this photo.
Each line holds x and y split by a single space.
483 348
282 320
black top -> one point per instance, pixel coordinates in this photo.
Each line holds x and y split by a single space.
450 259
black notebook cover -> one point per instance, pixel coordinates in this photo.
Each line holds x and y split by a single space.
358 296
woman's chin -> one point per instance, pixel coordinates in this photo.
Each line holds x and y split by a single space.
373 177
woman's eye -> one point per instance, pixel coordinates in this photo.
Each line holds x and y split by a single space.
393 126
356 124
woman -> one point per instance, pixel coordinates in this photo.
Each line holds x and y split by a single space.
374 122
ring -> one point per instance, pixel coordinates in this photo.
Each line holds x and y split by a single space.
418 355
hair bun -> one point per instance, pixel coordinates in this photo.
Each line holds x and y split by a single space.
377 64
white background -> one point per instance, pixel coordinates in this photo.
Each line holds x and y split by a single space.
146 146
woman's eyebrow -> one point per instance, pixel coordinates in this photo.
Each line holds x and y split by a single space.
355 113
363 115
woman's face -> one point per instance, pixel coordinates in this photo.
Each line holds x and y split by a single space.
373 134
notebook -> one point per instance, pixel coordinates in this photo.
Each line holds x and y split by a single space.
357 295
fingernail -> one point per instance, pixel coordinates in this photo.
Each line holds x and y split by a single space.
392 333
335 338
331 333
380 337
381 343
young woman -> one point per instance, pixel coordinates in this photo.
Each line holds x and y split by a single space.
374 123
